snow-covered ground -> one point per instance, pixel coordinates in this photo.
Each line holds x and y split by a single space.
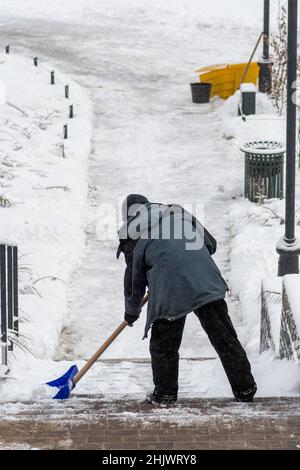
43 193
136 60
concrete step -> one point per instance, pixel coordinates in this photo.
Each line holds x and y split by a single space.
85 422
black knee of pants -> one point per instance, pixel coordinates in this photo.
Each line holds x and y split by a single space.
216 322
165 342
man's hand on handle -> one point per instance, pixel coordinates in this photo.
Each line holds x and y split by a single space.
131 319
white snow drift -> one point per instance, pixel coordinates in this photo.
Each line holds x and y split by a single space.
43 194
137 59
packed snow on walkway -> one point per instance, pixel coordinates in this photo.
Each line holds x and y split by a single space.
136 60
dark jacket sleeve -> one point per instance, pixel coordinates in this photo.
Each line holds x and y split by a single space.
135 281
209 241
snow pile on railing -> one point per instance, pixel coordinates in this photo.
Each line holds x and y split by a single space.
290 320
280 317
271 309
43 190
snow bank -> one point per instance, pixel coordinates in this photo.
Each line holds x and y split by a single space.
43 196
255 229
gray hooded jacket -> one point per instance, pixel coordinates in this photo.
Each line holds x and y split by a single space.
167 250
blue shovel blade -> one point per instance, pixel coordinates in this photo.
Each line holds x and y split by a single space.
65 383
63 380
64 391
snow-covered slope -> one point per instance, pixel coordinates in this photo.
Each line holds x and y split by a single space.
136 58
43 194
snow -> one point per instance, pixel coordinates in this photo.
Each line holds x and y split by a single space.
135 59
2 93
16 446
248 88
263 147
272 287
42 189
79 11
83 410
127 380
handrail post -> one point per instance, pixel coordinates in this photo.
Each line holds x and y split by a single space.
288 247
265 63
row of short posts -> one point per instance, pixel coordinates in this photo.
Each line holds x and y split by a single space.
67 96
71 106
9 304
52 82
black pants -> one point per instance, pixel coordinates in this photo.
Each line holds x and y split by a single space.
165 342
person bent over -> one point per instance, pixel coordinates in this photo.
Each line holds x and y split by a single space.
168 251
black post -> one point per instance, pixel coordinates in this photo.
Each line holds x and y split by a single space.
15 290
66 91
3 305
10 320
266 29
71 111
52 79
289 247
65 131
265 64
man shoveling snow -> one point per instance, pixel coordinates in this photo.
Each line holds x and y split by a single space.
169 252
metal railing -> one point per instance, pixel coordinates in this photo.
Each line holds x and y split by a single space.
8 299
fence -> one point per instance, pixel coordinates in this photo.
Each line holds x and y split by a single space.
8 298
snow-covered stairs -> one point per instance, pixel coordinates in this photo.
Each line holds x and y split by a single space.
91 423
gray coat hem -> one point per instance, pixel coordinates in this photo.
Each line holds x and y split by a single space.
206 301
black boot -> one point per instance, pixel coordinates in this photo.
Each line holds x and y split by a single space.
154 399
246 396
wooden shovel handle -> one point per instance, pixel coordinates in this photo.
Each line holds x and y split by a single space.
104 346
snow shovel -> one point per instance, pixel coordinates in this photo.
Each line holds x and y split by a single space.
68 381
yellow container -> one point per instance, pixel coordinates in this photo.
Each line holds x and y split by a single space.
226 78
